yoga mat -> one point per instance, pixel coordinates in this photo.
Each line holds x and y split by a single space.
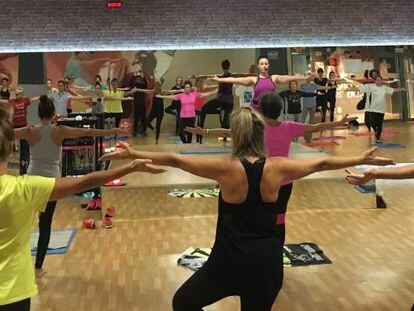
205 151
294 255
331 143
365 188
60 240
194 193
389 146
384 133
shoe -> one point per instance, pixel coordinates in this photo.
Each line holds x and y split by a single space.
115 183
110 212
98 204
107 223
379 141
89 223
380 202
150 126
91 205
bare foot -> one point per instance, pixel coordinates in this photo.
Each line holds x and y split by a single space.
40 272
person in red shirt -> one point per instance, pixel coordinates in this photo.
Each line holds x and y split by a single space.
19 106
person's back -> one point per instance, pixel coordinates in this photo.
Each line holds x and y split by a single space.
21 198
247 228
45 156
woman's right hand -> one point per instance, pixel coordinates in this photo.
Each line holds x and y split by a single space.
215 78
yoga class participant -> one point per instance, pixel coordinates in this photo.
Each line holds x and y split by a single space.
157 112
45 142
262 83
174 108
187 112
247 257
21 198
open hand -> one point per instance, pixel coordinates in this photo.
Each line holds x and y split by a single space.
345 119
144 165
124 152
369 158
360 179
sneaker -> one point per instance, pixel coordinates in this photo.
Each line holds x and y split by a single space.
91 205
115 183
380 202
379 141
107 223
89 223
110 212
98 204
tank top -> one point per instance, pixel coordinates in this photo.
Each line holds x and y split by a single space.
225 90
262 86
331 93
247 230
46 156
4 93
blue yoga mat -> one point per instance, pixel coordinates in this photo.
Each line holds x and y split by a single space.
389 146
365 188
60 240
205 151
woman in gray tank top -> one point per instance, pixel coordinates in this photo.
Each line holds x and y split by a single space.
45 141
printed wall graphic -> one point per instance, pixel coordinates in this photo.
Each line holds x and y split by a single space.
82 67
9 68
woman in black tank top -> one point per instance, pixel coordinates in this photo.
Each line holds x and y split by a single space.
246 259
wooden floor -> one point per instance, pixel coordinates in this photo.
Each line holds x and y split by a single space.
133 266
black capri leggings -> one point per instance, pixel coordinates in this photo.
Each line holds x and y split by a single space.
257 283
186 137
45 225
374 120
22 305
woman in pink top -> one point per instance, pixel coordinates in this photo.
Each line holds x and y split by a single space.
263 83
278 136
187 113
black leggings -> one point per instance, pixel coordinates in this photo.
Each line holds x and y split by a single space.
186 137
24 156
45 225
140 115
257 283
321 102
22 305
285 192
174 109
374 120
159 115
216 106
332 103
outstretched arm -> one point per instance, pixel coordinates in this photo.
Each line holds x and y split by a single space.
218 132
32 99
206 94
73 132
295 169
310 128
246 81
67 186
207 167
284 79
173 97
405 172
